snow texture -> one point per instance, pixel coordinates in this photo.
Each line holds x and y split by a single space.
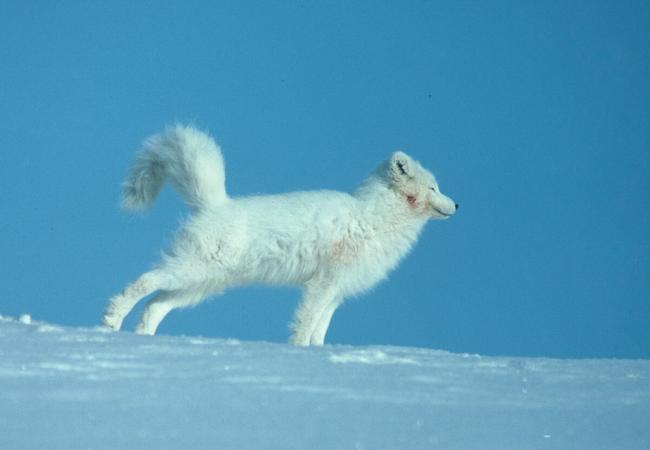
81 388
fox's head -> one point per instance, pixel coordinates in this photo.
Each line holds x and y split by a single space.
418 187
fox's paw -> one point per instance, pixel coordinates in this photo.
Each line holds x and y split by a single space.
112 321
144 329
299 340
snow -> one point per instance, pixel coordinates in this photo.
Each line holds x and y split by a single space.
25 318
87 388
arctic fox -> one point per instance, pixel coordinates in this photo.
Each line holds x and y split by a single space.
332 244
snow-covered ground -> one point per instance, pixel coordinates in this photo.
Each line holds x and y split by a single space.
78 388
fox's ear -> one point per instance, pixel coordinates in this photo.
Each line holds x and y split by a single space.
400 164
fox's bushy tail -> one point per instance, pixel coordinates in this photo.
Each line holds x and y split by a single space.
185 157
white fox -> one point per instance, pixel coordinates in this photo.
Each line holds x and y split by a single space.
332 244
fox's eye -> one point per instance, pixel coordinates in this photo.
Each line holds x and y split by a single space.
434 189
401 165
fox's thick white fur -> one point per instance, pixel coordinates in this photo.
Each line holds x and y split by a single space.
332 244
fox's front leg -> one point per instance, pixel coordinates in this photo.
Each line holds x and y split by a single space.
323 323
316 299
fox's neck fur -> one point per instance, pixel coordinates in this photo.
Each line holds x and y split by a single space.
391 230
387 210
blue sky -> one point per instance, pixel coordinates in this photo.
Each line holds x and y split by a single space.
535 116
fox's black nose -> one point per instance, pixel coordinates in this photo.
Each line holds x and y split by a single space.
457 206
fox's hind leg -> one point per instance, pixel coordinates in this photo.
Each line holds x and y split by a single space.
161 305
121 304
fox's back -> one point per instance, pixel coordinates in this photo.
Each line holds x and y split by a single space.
302 212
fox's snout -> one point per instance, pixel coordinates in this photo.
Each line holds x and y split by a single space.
443 207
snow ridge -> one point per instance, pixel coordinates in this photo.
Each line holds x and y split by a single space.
63 387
